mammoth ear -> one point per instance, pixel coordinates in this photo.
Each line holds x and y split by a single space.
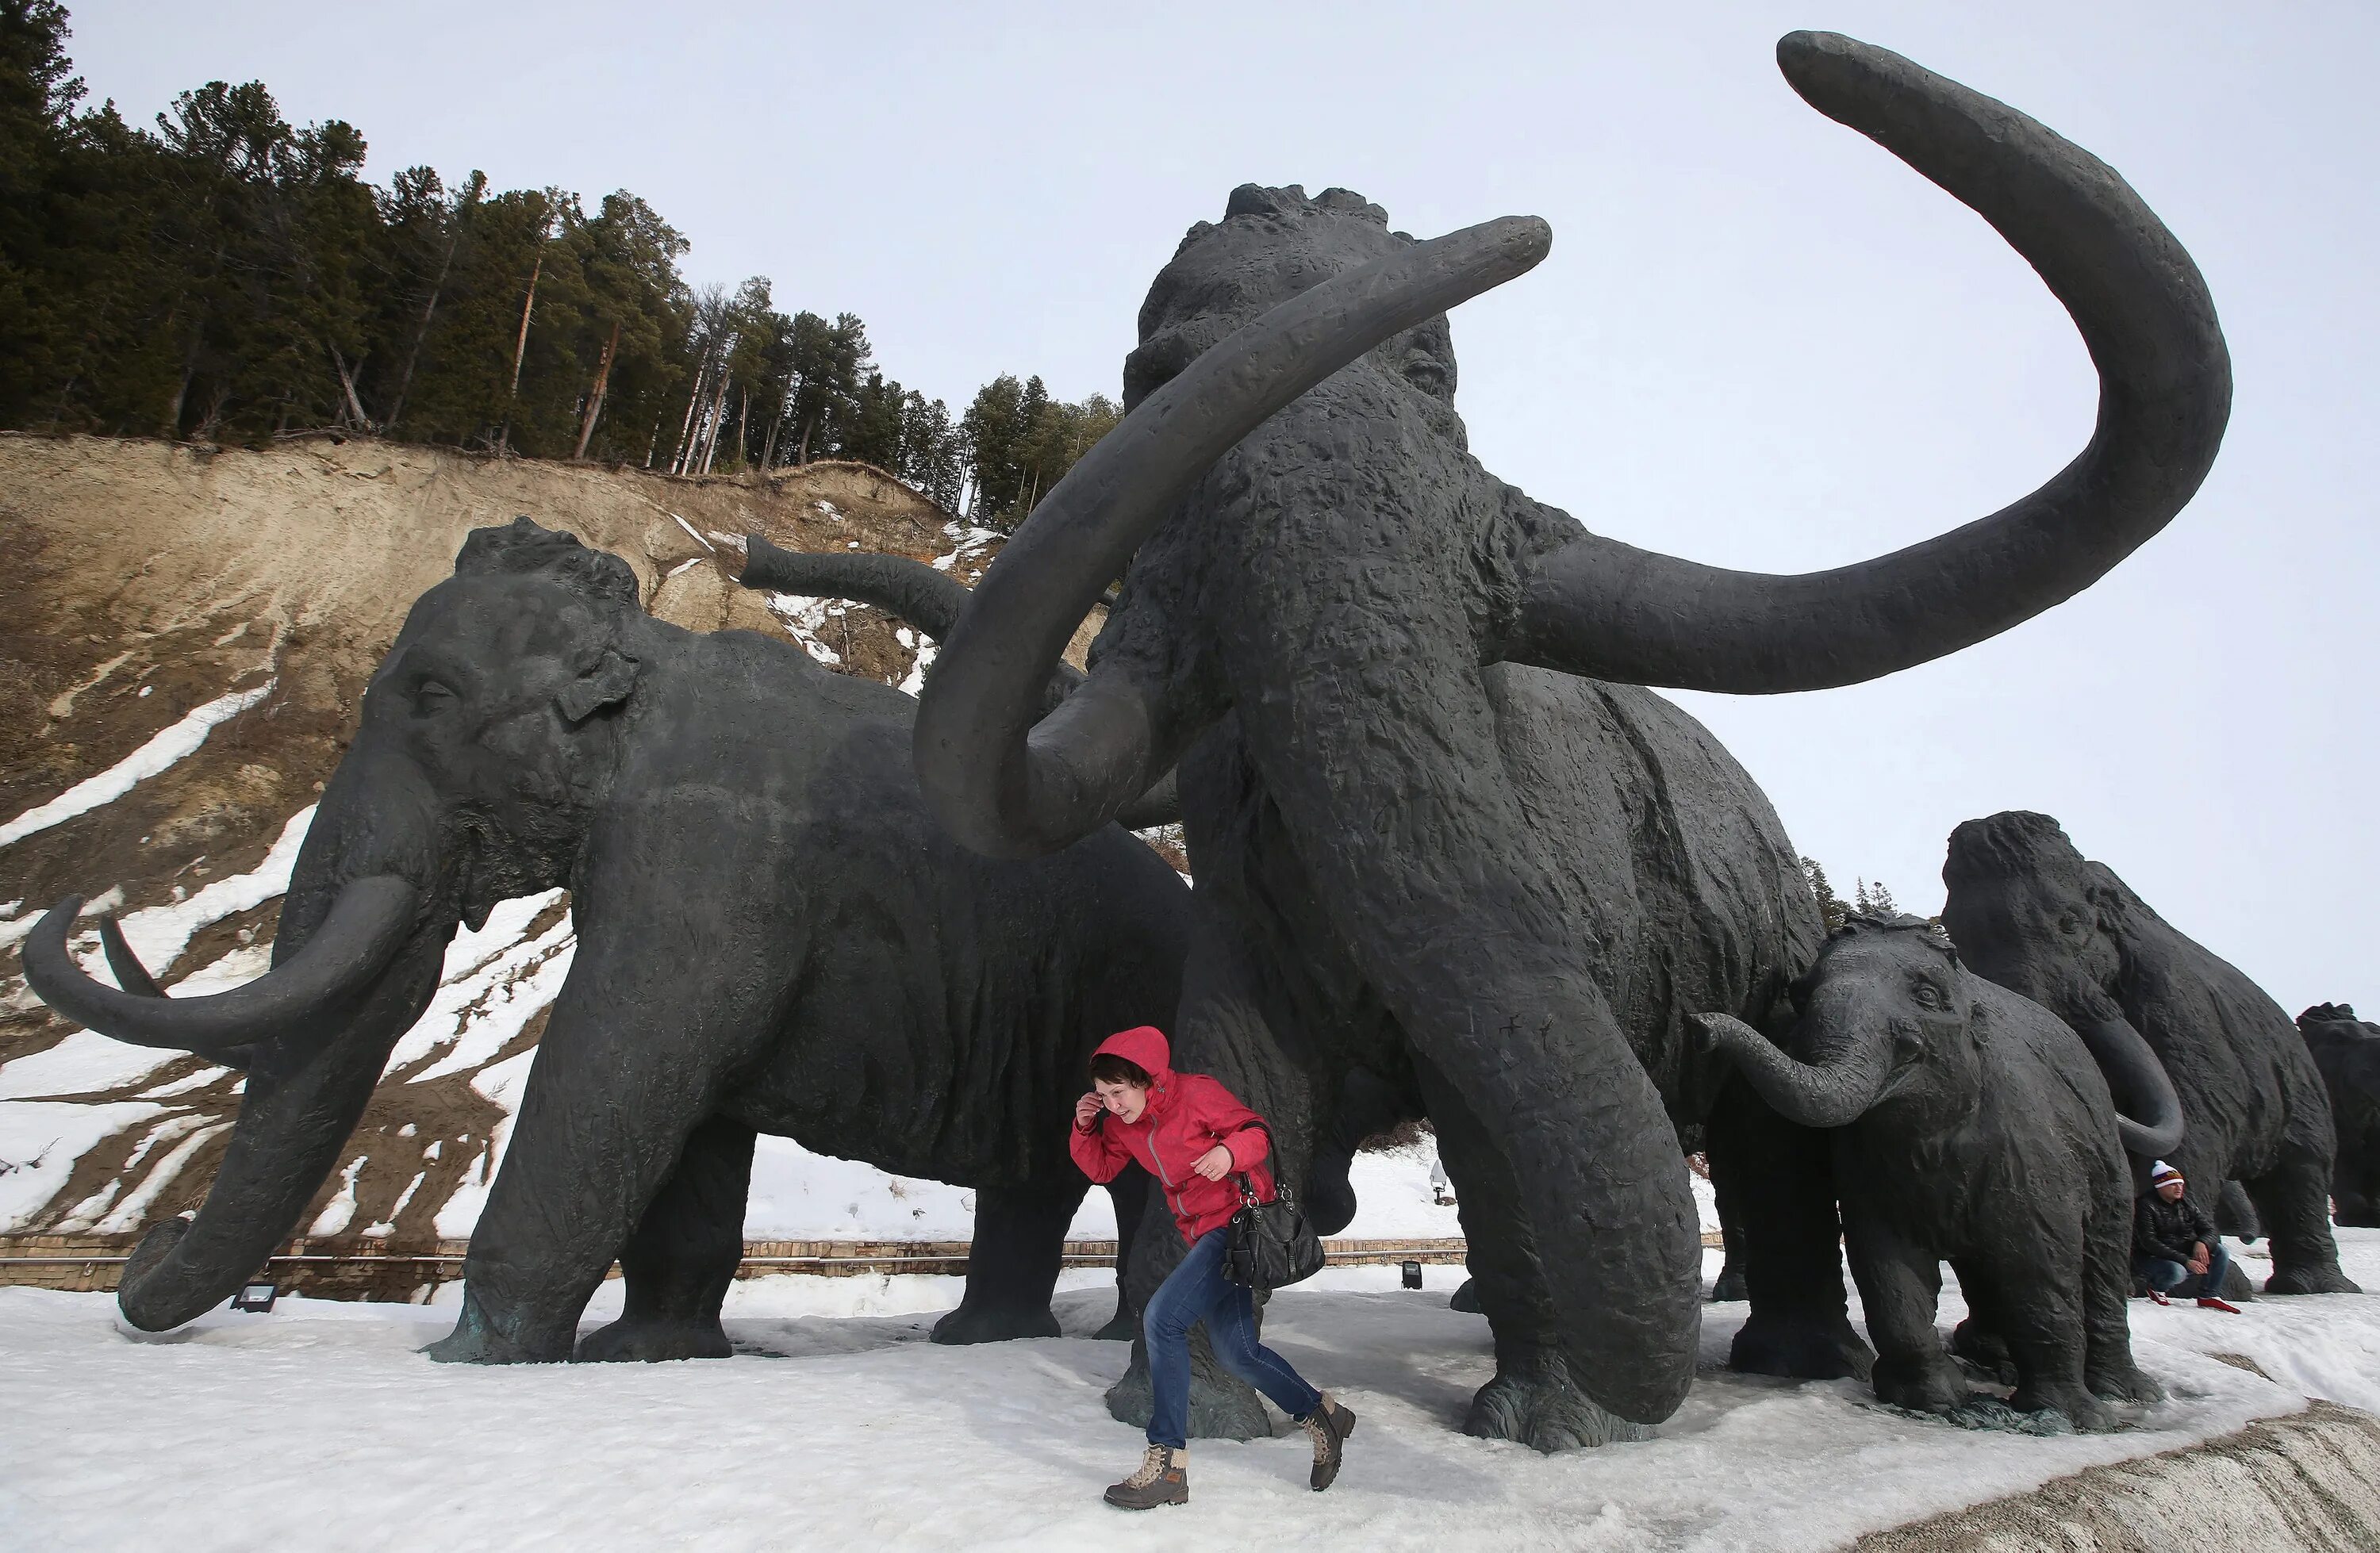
607 683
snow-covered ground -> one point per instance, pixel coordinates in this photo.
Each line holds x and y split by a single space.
837 1425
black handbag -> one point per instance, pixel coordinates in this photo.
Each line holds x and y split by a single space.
1271 1244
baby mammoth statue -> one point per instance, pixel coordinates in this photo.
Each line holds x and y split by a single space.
2347 1050
1971 1125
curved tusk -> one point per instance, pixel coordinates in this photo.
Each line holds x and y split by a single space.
1608 610
366 925
1009 781
2148 1111
130 974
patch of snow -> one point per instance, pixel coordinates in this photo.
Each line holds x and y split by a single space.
86 1063
340 1210
689 561
128 1214
1009 1444
698 538
387 1227
915 683
159 754
802 618
501 1082
83 1213
159 934
39 1141
476 1015
183 1086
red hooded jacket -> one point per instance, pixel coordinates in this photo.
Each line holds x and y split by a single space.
1187 1116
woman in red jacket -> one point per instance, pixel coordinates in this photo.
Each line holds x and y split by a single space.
1191 1134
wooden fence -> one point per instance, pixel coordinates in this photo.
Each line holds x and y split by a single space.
352 1268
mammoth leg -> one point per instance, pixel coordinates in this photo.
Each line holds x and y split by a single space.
1532 1399
2108 1369
1384 757
2293 1200
1128 1193
1222 1033
1020 1243
1900 1286
630 1066
678 1264
2035 1293
1776 1188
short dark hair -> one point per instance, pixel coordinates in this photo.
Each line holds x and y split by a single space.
1106 1065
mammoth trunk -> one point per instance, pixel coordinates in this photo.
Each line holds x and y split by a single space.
1833 1090
355 963
294 1117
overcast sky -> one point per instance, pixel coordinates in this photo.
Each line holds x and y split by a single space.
1759 341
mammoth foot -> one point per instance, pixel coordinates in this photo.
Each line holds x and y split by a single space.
1935 1385
989 1323
625 1342
477 1340
1465 1299
1536 1405
1123 1326
1985 1349
2074 1403
2310 1278
1800 1346
1730 1286
1221 1407
2123 1383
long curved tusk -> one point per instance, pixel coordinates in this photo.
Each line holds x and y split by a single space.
1608 610
366 925
1008 780
130 974
2148 1111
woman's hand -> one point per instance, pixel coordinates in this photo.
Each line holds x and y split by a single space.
1089 1106
1214 1164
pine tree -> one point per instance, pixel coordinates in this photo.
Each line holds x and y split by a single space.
1831 910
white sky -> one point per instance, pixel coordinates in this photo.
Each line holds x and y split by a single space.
1759 342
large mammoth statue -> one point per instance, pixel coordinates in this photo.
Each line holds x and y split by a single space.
1968 1125
2028 912
773 936
2347 1051
1439 831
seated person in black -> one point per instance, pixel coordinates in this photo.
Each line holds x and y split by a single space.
2174 1240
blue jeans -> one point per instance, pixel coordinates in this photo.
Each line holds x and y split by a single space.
2166 1277
1198 1291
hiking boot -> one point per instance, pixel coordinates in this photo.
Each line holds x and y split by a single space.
1163 1478
1328 1425
2208 1302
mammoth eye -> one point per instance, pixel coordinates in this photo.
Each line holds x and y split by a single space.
1930 997
2070 923
430 697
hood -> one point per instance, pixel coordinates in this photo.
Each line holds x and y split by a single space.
1144 1046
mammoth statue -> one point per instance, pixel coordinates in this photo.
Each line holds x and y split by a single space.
2028 912
2347 1051
773 936
1440 830
1971 1126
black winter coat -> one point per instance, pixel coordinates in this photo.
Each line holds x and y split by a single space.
2164 1232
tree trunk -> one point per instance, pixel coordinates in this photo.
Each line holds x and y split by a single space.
602 379
685 431
520 353
421 330
347 381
